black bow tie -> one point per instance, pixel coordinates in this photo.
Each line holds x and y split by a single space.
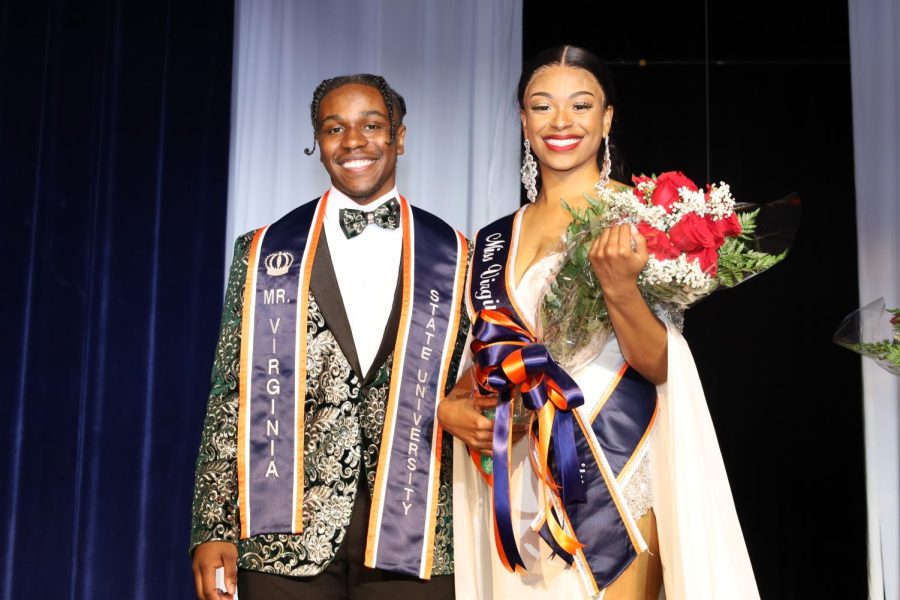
353 221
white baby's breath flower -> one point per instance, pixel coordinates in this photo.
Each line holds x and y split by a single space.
691 202
623 205
677 272
626 206
721 203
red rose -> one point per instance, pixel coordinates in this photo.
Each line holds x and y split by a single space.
700 239
708 259
667 186
729 226
693 232
658 243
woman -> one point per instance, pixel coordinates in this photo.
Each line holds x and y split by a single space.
651 500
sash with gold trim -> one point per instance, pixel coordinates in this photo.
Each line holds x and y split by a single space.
273 385
599 534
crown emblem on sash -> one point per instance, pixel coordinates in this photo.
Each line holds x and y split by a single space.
278 263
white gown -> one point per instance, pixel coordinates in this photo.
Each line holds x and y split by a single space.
701 545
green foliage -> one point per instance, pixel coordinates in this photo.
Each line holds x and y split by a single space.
737 261
883 351
748 224
573 310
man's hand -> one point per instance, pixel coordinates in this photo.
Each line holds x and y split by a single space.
460 414
207 558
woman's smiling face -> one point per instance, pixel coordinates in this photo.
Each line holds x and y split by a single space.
565 118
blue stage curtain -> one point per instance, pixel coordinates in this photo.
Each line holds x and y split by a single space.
114 122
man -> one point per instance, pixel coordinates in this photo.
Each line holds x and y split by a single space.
322 472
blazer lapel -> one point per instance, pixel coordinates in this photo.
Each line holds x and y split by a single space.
324 285
390 330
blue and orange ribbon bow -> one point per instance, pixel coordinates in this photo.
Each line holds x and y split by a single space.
508 358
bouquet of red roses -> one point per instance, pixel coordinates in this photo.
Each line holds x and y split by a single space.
699 240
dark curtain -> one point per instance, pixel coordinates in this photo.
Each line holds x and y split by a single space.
114 129
758 95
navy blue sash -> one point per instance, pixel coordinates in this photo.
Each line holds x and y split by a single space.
273 385
613 429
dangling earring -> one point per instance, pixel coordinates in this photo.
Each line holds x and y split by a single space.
529 173
607 167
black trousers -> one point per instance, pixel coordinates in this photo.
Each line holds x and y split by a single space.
346 577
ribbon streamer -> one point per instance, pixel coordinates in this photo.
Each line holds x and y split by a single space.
509 359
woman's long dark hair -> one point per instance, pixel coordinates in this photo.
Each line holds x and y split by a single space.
573 56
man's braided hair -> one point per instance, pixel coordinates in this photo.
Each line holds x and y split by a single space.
395 103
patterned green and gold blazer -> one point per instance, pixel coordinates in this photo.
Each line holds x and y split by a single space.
344 420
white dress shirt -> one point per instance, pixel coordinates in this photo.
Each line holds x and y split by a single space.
366 267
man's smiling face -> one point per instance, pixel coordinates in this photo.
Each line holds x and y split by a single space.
354 134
